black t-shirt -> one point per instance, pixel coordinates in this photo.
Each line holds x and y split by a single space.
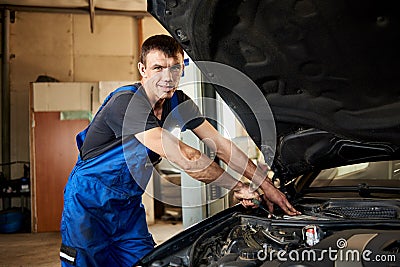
129 113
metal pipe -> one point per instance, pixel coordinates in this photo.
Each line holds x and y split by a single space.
5 93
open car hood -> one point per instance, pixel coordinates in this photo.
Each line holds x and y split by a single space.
328 69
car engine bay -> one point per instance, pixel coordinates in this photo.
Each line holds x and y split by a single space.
326 234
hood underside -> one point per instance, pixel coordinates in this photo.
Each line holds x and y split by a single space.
328 69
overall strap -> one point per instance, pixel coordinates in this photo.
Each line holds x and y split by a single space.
130 87
82 135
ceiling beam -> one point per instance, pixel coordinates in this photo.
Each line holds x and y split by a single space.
98 11
91 11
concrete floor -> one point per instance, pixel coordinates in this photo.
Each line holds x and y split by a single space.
42 249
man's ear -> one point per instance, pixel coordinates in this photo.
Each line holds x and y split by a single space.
142 69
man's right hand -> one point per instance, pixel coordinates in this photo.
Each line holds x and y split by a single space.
246 195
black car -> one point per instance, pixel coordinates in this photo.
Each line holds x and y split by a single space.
329 71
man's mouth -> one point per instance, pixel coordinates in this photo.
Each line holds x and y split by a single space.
166 88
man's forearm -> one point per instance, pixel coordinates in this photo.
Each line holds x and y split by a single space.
206 170
239 162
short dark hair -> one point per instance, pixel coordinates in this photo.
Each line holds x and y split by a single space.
161 42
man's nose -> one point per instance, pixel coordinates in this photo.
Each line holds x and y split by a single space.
167 74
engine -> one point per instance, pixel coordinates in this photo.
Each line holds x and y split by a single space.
326 234
254 242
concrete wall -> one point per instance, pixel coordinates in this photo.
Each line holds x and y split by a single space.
63 47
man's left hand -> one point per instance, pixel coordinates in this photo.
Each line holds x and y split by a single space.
273 195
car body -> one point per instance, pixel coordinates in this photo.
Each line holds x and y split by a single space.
329 73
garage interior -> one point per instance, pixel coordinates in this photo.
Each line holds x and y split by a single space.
59 60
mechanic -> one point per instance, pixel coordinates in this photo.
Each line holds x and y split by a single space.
104 221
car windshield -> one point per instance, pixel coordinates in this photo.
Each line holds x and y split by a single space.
382 173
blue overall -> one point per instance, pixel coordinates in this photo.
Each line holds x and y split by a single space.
104 221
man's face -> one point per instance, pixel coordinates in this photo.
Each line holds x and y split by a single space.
161 74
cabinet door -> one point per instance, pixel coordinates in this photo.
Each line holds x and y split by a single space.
54 155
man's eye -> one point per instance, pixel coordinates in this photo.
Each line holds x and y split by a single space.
176 68
158 68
